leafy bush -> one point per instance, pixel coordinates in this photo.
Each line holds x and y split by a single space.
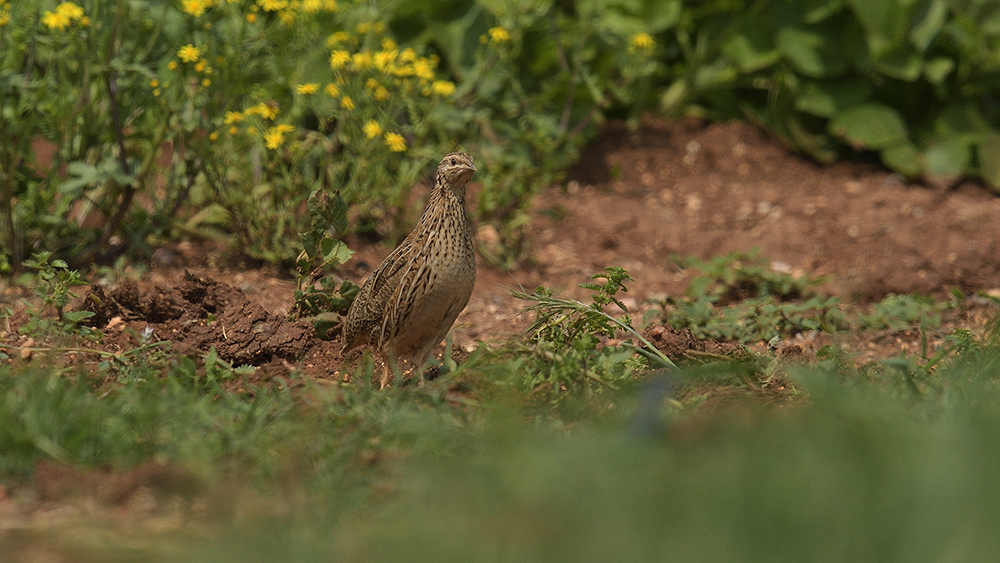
221 118
916 82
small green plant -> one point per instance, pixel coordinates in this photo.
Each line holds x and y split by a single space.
904 312
739 297
55 280
737 276
563 352
755 319
320 294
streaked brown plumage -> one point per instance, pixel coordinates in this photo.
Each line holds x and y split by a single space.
408 304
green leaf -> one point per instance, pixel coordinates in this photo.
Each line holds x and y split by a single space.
716 74
988 152
826 98
335 252
930 17
810 52
964 121
751 47
816 11
937 69
885 22
900 63
749 52
869 126
946 160
903 158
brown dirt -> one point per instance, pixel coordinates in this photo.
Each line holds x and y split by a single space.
708 189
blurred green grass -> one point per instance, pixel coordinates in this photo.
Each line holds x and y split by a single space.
878 464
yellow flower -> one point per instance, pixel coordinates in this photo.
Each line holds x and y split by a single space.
330 5
642 41
362 60
364 27
347 103
267 110
251 130
371 84
312 6
233 130
84 21
232 117
172 65
4 15
287 16
70 10
273 138
332 90
272 5
385 60
213 136
285 128
307 89
381 94
154 83
156 92
443 87
201 65
195 7
189 53
499 34
423 68
388 44
372 129
395 142
55 20
338 59
206 83
251 18
407 56
337 37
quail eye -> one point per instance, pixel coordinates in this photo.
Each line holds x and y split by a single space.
453 162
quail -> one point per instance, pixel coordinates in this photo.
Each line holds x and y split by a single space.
410 301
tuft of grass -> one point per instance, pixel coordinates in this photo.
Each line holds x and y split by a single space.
563 350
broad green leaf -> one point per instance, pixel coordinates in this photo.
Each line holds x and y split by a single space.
869 126
751 50
826 98
815 11
886 22
903 158
937 69
988 152
715 74
990 23
930 17
900 63
810 52
946 160
962 121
